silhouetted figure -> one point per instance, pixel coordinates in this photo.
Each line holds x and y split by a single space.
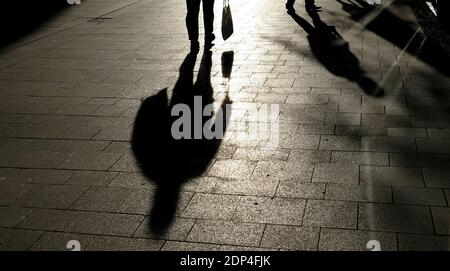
309 5
170 162
333 52
400 32
193 10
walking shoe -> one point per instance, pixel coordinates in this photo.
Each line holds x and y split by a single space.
209 41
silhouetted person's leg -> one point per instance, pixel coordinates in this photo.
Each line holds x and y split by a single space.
310 5
193 9
203 86
208 18
290 5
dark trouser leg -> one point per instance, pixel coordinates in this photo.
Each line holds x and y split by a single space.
309 3
193 9
208 18
290 5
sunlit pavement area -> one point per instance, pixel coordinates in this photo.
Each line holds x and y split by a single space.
351 165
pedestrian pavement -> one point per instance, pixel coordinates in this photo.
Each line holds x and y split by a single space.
357 158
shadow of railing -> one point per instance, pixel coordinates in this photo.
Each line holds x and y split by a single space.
399 32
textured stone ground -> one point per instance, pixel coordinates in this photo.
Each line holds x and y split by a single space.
349 167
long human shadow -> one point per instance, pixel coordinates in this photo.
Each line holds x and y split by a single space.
21 18
399 32
166 159
333 52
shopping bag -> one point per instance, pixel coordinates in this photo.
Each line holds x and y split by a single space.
227 21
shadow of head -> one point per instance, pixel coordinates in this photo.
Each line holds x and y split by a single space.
169 139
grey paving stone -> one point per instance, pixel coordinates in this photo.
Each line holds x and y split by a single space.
365 131
12 216
345 143
388 121
433 145
82 222
352 240
436 177
407 132
361 158
241 248
115 133
188 246
105 224
238 169
279 171
307 99
54 241
438 133
309 156
100 161
419 196
17 239
362 193
418 242
386 144
38 176
102 199
395 218
142 202
336 173
290 237
306 142
386 101
201 184
267 210
351 108
343 119
177 230
49 196
419 160
300 117
260 154
131 180
302 190
226 232
92 178
251 187
48 219
315 129
336 214
447 194
69 146
391 176
66 96
211 206
9 192
441 218
30 159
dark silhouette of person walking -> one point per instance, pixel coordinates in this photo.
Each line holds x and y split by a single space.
309 5
193 10
333 52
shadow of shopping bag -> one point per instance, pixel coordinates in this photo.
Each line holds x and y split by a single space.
227 20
